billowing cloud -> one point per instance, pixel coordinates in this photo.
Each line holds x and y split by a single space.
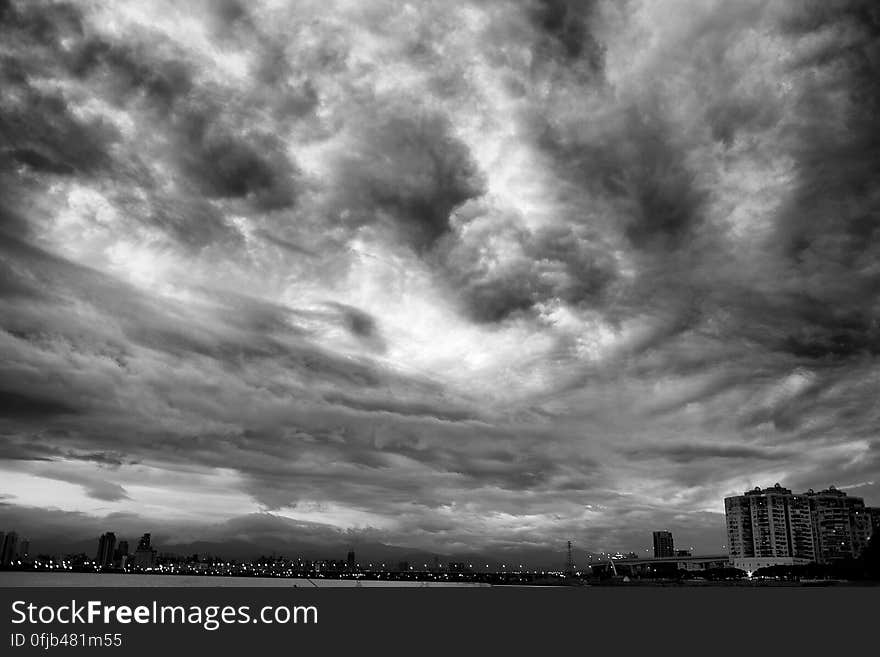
459 277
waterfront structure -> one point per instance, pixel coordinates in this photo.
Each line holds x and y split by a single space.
670 565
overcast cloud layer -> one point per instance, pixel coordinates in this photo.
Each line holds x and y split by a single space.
456 276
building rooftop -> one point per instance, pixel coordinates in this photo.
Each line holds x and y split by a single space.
757 490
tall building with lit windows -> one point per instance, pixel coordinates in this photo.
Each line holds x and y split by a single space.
800 528
144 555
8 549
770 531
841 524
874 514
740 540
773 526
663 545
106 546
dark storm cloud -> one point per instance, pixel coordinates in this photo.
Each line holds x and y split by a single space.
97 487
550 264
249 332
817 306
828 231
131 70
226 165
40 26
358 322
11 223
687 452
41 23
38 129
22 405
252 314
841 344
219 156
734 115
42 134
638 163
240 340
411 460
192 222
439 411
361 325
565 31
230 13
15 451
407 167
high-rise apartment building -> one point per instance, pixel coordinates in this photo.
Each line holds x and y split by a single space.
740 538
9 549
841 524
144 555
120 554
874 514
106 546
775 526
770 521
800 528
663 545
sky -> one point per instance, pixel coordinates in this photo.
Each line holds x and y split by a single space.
452 276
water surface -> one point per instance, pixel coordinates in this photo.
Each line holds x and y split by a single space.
19 578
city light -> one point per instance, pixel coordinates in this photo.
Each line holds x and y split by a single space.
811 541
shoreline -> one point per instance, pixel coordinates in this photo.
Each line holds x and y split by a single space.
37 579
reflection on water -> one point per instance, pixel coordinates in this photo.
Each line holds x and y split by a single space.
16 578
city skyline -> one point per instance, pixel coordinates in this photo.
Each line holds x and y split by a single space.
465 277
764 526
